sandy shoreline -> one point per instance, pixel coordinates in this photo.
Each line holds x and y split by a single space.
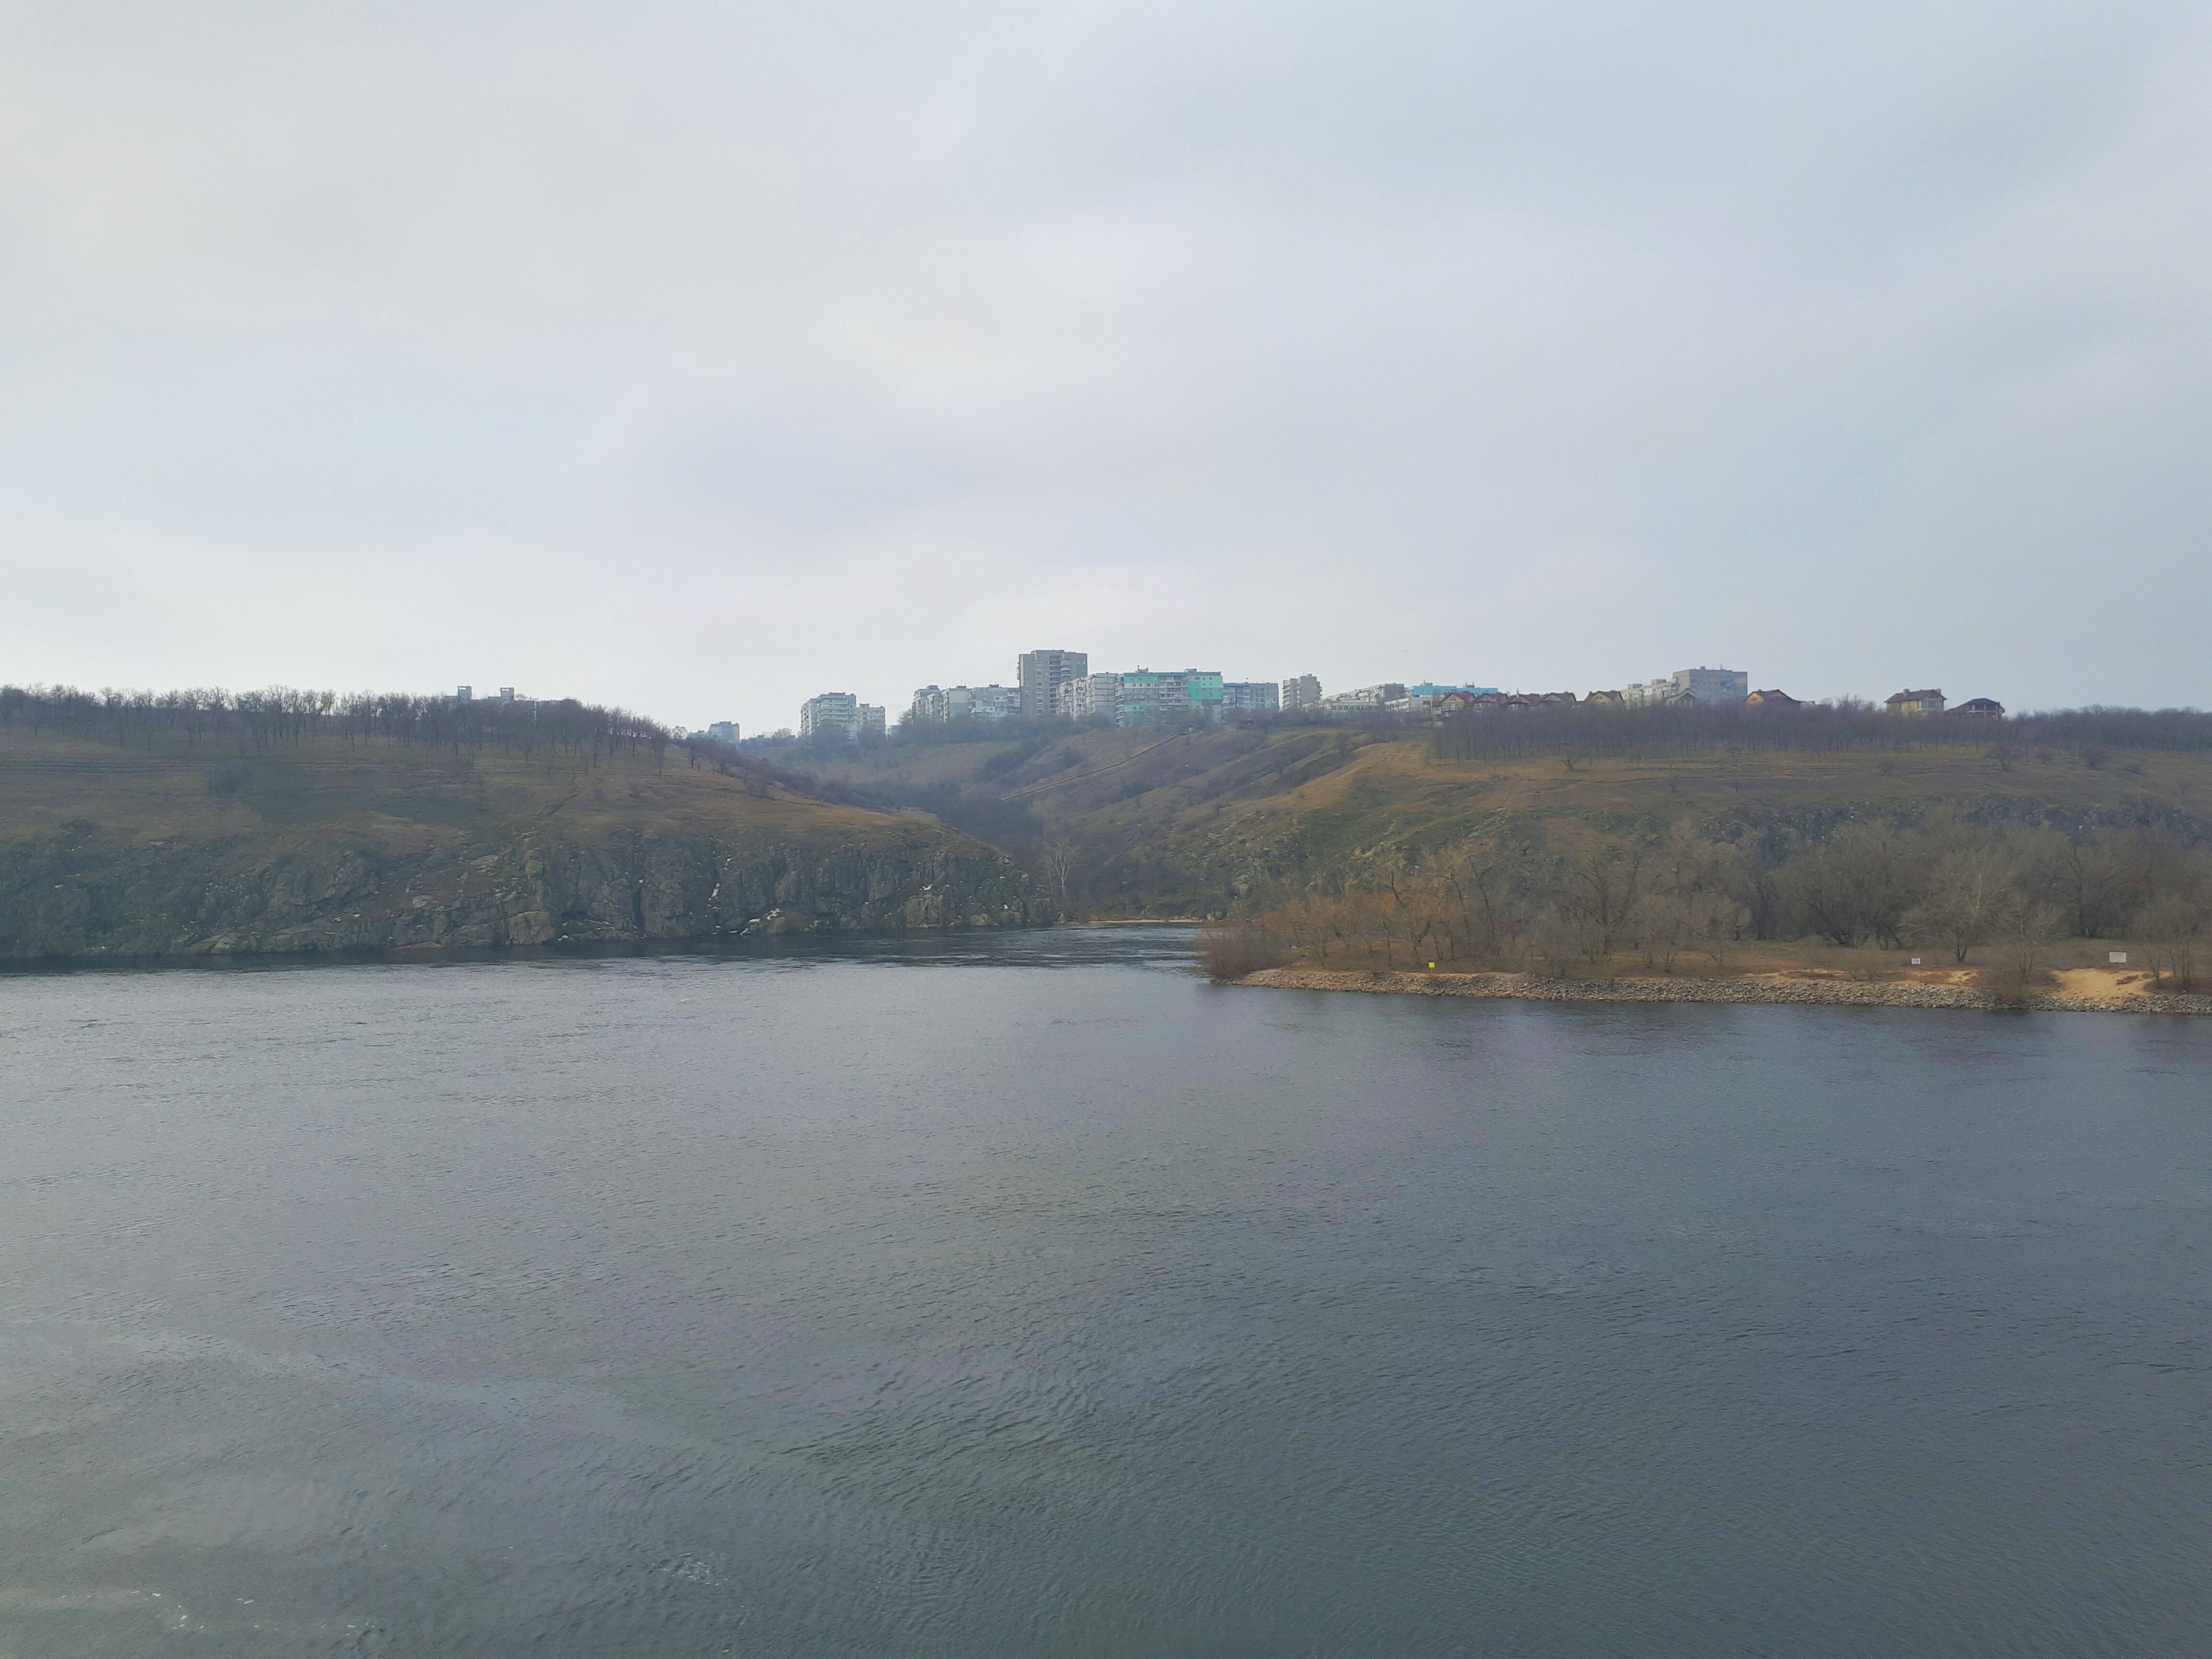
1884 994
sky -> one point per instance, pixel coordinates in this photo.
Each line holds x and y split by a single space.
699 358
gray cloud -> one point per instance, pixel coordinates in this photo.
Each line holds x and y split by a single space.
701 358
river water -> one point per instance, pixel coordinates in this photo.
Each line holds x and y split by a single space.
1030 1296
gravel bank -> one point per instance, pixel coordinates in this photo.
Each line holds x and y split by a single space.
1529 988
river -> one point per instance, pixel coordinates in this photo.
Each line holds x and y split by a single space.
1027 1295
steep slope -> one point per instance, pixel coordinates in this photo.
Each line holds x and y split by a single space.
175 848
1193 822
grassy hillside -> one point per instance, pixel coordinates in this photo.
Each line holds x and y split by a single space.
293 793
1194 823
167 845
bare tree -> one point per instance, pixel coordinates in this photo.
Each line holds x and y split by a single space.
1478 879
1856 887
2024 942
1600 880
1968 897
2088 877
1059 857
1661 925
2173 926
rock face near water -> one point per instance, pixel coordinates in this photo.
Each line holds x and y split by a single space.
89 892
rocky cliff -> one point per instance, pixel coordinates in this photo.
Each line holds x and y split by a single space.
305 865
90 894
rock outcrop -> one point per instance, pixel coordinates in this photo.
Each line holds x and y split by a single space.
89 892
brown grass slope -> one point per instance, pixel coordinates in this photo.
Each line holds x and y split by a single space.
1198 821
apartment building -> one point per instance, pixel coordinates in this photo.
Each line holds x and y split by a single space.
1040 674
839 713
1304 692
1712 685
1706 685
939 705
723 731
1090 695
1251 696
1142 696
1150 695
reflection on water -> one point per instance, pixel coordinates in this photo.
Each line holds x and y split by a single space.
1127 944
800 1301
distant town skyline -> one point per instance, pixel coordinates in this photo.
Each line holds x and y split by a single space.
701 359
1061 682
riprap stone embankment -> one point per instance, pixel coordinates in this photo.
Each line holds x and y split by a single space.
1857 993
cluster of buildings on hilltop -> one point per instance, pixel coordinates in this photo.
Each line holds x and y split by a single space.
1057 685
1932 703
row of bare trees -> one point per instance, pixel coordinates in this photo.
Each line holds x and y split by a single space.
1571 898
259 720
1594 730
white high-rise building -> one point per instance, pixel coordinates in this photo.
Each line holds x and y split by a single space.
839 713
1092 694
831 711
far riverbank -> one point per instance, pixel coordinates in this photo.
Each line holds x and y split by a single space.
2072 997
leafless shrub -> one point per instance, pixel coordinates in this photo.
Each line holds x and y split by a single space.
1556 947
2175 927
1230 950
2012 981
1662 926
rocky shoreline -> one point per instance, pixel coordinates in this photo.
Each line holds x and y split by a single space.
1844 993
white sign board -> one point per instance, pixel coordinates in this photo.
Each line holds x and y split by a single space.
2117 956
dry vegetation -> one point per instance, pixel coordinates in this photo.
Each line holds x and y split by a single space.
206 765
1242 821
1864 901
1830 842
297 823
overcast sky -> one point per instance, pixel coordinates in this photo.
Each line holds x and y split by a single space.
699 358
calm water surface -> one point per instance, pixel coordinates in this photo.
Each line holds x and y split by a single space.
1031 1296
